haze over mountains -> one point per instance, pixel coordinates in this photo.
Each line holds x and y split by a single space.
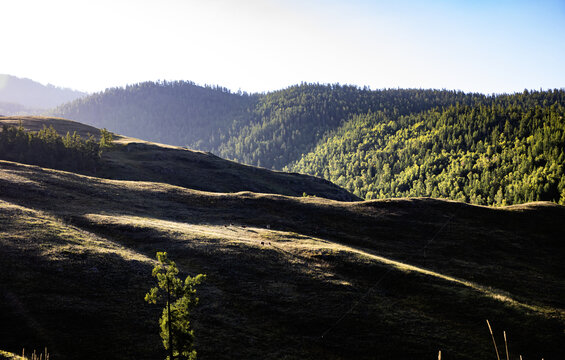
20 96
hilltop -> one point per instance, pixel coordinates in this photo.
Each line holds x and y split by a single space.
134 159
288 277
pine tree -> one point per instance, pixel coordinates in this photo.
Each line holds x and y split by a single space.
106 139
180 299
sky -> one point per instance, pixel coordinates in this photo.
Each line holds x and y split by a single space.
495 46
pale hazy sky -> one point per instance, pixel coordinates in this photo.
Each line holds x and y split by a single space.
253 45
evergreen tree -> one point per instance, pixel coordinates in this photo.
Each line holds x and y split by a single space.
106 139
180 299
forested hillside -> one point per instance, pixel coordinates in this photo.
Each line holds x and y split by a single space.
288 123
269 130
377 143
505 150
176 113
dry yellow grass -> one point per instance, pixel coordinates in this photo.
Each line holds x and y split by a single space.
5 355
72 239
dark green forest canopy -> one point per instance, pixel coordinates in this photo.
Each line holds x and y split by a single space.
508 150
484 149
288 123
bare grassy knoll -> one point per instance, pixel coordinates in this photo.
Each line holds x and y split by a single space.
288 277
134 159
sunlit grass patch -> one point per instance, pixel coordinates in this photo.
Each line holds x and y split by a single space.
32 229
5 355
34 355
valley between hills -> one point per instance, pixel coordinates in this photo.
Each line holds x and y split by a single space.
297 268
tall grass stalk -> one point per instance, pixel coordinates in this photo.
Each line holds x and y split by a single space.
34 356
493 341
506 346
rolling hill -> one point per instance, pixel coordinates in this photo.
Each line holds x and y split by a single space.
134 159
287 277
177 113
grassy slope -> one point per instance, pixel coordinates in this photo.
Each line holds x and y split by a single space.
134 159
390 279
36 123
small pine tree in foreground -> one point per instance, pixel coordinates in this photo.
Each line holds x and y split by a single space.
180 299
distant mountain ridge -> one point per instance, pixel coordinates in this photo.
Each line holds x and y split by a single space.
177 113
269 130
24 96
10 109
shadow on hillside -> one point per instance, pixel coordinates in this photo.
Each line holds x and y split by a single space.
262 303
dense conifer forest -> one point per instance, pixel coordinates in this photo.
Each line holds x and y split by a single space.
482 149
288 123
49 149
269 130
506 150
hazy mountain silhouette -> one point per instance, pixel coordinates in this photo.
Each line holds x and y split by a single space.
31 95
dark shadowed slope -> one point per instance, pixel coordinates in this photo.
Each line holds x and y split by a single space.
293 278
134 159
